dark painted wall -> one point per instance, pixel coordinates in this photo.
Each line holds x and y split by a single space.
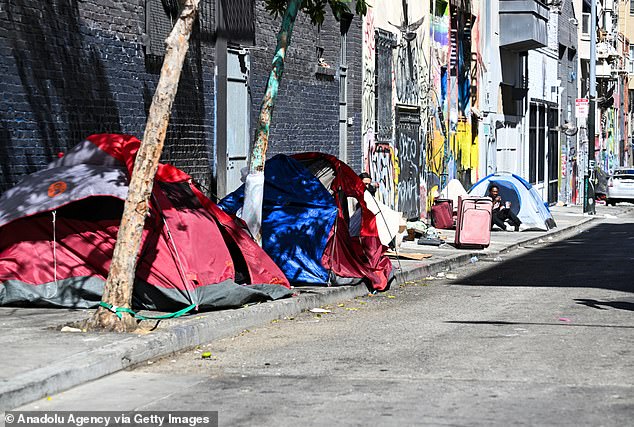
71 68
306 116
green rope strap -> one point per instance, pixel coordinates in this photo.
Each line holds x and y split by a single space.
118 310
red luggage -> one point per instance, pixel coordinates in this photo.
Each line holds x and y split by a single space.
473 226
442 213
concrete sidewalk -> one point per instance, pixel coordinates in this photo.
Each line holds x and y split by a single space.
39 360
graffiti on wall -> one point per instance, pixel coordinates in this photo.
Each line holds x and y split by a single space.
368 93
384 170
452 151
608 150
409 160
407 74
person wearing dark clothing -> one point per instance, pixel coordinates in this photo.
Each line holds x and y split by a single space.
367 181
501 212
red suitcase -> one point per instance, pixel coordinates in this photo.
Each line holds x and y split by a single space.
442 213
473 226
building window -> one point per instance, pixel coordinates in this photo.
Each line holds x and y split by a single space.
541 138
631 7
630 61
383 101
585 24
532 145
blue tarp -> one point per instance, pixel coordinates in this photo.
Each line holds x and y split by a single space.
298 214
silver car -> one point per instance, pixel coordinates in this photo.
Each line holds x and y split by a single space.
621 186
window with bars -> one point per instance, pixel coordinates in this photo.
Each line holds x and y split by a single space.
385 41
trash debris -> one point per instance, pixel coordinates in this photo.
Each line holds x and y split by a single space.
341 305
206 355
430 241
473 259
391 296
540 241
70 329
452 276
432 233
564 319
441 274
352 309
498 259
417 226
319 310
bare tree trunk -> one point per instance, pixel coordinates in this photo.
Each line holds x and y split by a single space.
119 286
253 190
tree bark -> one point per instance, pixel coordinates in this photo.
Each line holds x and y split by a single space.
253 189
119 285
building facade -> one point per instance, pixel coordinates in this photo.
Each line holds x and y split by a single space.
74 68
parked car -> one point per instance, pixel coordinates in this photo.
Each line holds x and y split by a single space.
621 186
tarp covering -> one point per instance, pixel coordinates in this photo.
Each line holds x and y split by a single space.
298 214
526 203
59 226
305 222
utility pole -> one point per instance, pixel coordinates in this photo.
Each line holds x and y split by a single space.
588 184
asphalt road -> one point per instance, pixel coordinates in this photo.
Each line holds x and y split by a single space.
542 336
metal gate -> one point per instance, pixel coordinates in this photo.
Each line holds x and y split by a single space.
409 160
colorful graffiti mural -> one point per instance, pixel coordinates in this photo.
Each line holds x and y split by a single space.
453 150
434 76
368 93
384 170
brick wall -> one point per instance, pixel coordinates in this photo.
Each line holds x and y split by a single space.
71 68
306 115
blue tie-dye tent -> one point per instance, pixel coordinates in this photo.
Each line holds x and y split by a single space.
305 222
298 214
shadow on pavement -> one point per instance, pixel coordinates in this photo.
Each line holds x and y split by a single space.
502 323
600 305
601 257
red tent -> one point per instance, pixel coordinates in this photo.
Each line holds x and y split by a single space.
58 228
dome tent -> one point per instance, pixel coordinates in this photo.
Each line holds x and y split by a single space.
58 228
526 203
305 222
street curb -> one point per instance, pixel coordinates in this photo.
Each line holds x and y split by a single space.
135 349
458 260
187 333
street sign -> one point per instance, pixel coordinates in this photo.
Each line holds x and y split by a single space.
582 106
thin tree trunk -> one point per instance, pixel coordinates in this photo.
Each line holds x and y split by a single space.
253 191
119 286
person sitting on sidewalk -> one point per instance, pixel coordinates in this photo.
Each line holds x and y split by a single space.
501 211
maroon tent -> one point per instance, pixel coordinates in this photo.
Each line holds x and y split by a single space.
58 229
